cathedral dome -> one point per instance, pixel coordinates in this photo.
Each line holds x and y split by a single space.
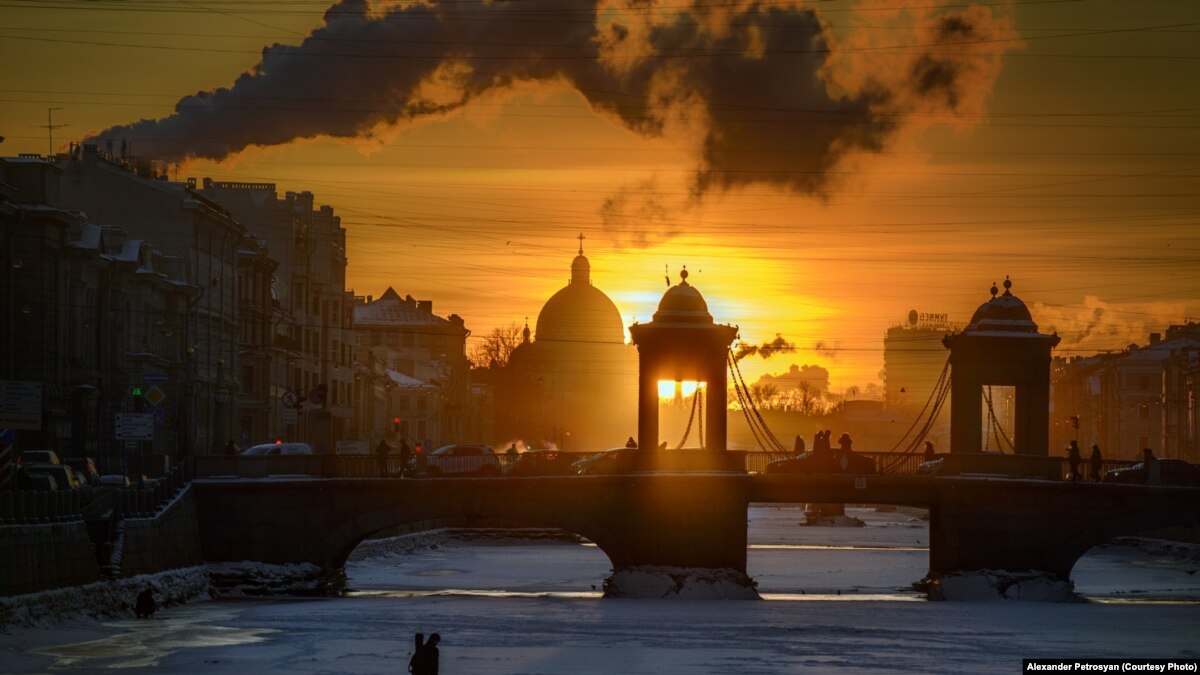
1003 313
580 312
683 303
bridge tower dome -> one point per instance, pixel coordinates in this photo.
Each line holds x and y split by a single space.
682 343
1001 346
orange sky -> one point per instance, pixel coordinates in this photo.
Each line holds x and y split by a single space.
1071 165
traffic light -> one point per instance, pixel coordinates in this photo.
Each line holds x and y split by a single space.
139 401
396 423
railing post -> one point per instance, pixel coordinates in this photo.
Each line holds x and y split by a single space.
6 507
19 508
42 506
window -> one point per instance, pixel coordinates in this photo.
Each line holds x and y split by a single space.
402 403
1144 412
1143 441
1144 382
408 339
247 379
422 403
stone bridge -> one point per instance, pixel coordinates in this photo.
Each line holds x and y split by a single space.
681 520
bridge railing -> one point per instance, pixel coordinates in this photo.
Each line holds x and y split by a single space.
374 466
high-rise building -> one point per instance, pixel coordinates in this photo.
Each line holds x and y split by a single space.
913 359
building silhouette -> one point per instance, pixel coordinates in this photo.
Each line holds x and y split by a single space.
572 382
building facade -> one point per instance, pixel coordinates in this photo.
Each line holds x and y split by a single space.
411 365
1140 397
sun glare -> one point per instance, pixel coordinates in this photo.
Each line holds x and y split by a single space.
669 390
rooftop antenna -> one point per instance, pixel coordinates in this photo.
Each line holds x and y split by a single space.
50 126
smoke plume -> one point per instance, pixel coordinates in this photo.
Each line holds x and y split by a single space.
765 350
762 91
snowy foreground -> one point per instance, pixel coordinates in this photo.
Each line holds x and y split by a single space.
836 600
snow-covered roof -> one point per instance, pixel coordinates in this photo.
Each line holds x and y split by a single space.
405 382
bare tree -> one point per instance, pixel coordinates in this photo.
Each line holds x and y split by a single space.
806 398
763 395
496 348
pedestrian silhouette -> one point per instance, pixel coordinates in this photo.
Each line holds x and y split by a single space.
512 450
844 443
145 606
631 443
798 447
425 657
1096 463
231 448
1150 464
1073 460
414 664
381 456
405 456
929 452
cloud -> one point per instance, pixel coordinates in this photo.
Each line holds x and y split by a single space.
1097 325
827 349
762 92
765 350
816 377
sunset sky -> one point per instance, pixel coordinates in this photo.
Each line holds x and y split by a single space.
821 168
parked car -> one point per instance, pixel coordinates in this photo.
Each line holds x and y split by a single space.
458 459
41 482
279 449
85 469
1170 471
39 457
833 462
114 480
64 476
608 462
543 463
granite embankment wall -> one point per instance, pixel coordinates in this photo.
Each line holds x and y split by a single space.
46 543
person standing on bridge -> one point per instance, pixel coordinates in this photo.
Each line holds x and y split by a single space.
405 456
381 456
1096 463
631 443
798 446
1073 460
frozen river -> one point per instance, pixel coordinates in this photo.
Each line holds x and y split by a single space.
836 600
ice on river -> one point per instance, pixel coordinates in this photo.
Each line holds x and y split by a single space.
838 600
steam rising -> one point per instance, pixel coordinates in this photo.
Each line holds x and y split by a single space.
765 350
762 92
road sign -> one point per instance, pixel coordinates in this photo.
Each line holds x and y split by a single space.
290 416
135 427
154 395
21 404
154 377
160 416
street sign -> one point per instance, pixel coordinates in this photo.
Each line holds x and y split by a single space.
154 395
21 404
160 416
135 427
154 377
290 416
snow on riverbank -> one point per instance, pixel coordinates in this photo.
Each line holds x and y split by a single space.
103 599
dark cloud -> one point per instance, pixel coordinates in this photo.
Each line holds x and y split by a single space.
750 84
765 350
